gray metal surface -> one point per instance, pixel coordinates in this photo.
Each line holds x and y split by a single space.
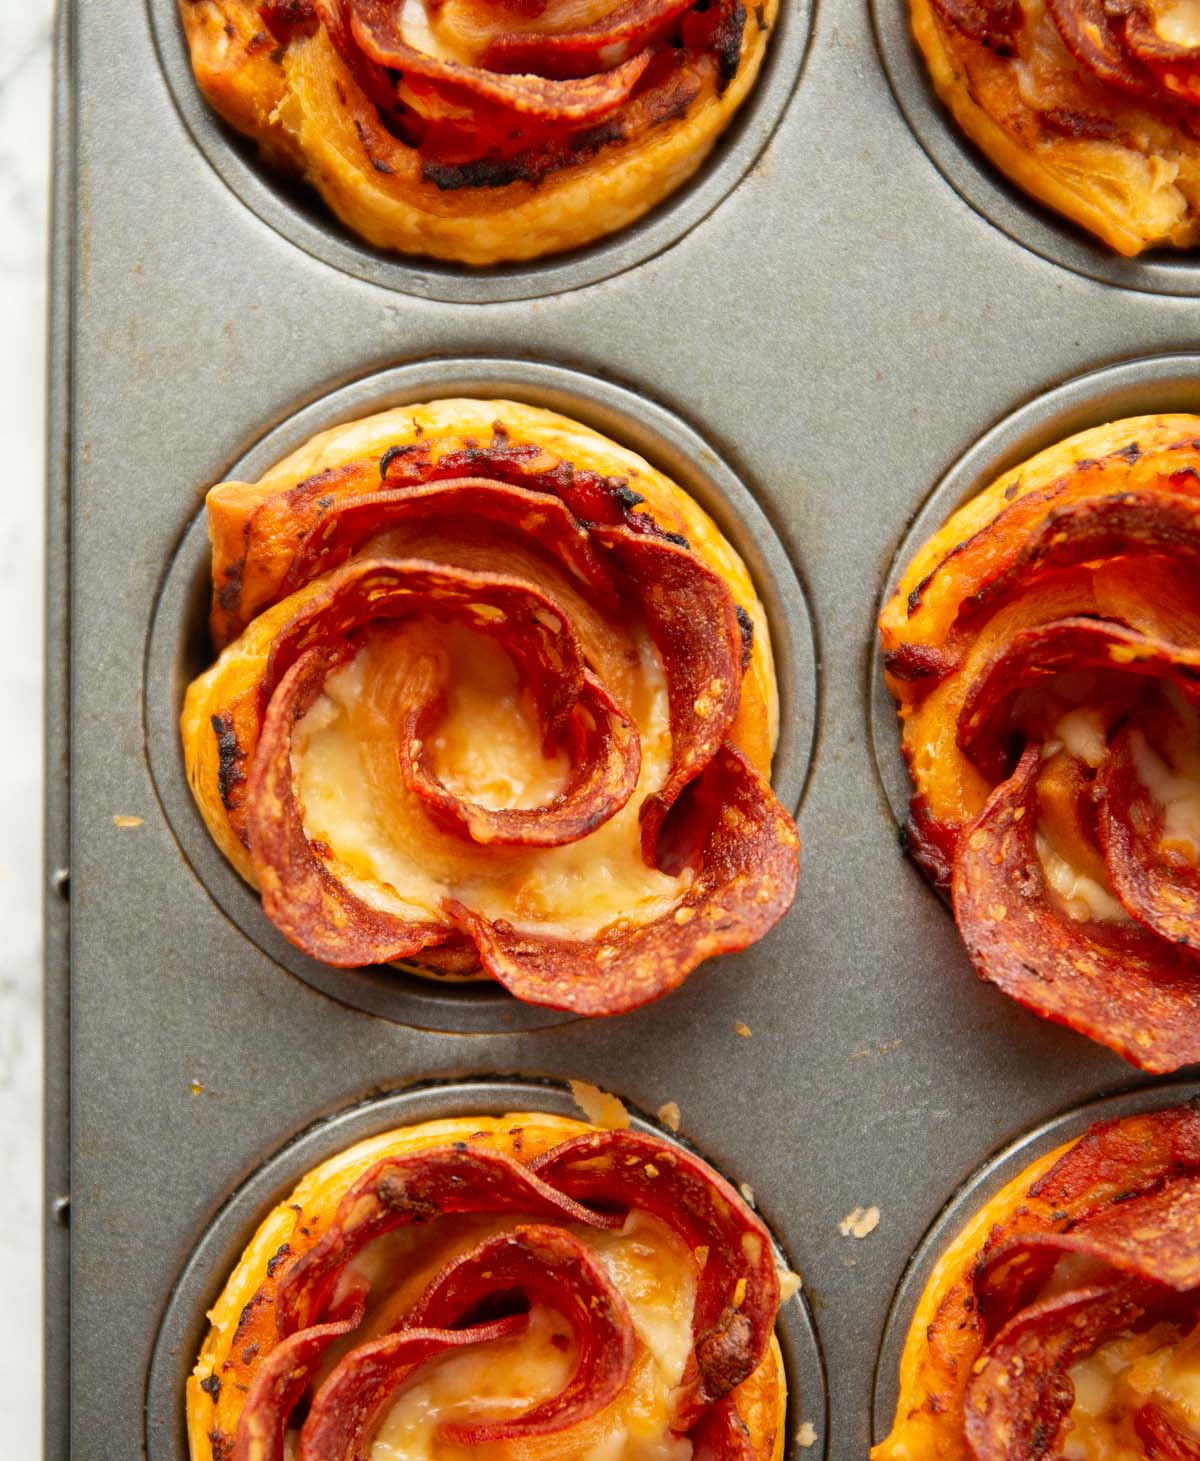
840 330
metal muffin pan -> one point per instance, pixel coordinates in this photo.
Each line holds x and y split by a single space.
179 647
838 332
183 1325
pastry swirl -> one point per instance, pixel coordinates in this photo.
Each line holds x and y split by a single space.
1064 1321
1092 108
1044 649
494 696
480 130
513 1288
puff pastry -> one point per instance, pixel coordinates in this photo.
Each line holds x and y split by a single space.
1044 649
494 696
1064 1320
481 130
1092 108
518 1288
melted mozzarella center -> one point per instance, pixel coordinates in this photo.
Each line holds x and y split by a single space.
1159 1367
487 749
656 1277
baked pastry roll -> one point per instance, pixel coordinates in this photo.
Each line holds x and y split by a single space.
480 131
494 696
1044 648
518 1288
1092 108
1064 1320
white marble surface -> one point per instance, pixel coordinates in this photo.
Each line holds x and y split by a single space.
24 154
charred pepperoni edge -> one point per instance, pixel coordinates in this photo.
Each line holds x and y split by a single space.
995 24
737 1293
287 520
581 99
1042 651
1118 525
745 883
1161 892
1115 983
1154 1237
692 619
576 92
629 27
414 1188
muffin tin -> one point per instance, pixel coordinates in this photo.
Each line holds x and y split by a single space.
824 329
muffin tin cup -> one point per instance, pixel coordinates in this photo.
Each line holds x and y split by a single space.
178 648
997 1172
216 1251
300 215
976 179
807 358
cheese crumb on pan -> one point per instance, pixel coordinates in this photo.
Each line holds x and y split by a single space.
670 1115
860 1223
599 1107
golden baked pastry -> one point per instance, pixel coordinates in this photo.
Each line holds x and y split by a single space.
481 130
517 1288
493 696
1064 1320
1044 648
1092 108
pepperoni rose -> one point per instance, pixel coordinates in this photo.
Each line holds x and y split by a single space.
481 130
1092 107
1065 1319
509 1287
494 698
1044 648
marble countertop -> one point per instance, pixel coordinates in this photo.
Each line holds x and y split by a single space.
25 65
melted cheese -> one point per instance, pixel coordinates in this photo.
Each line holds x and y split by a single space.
488 749
1083 897
1178 22
656 1277
1084 734
1129 1371
1177 793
